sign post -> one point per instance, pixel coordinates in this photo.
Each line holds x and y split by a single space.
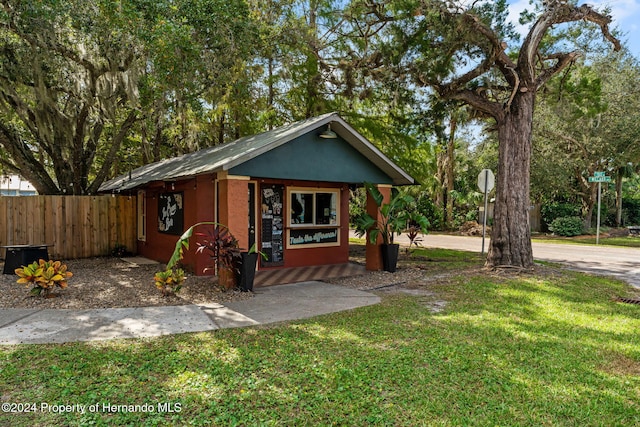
486 181
599 177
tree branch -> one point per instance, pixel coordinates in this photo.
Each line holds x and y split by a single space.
562 62
25 162
113 150
558 12
475 99
495 58
497 54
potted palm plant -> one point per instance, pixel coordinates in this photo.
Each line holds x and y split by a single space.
393 219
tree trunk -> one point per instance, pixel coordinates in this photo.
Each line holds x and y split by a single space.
445 174
511 233
589 201
449 172
619 177
221 129
440 194
588 216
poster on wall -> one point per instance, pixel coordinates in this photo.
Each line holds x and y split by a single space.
272 225
171 213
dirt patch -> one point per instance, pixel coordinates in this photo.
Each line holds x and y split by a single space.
621 364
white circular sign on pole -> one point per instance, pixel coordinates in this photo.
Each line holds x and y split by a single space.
486 181
486 177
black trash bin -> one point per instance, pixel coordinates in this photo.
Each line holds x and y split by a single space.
19 255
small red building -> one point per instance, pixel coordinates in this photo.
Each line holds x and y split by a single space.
287 190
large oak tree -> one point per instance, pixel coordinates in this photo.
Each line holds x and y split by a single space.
68 91
460 50
90 86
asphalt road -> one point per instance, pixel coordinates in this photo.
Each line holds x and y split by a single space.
620 262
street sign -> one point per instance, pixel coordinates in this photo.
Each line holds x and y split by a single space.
599 177
486 182
486 177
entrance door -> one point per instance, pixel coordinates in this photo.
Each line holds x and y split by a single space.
252 214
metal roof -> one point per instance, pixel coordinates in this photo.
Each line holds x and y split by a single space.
226 156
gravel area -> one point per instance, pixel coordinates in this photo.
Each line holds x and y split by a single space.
379 280
411 274
112 283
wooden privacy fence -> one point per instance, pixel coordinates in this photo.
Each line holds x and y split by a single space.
76 226
535 217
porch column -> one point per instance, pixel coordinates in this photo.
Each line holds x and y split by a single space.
233 199
373 254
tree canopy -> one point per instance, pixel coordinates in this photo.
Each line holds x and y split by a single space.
89 89
587 122
78 76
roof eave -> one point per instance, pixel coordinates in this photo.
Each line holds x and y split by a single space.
371 152
144 175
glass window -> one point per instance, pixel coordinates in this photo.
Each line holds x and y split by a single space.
301 208
326 208
314 208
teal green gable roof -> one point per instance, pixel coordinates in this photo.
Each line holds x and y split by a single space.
310 158
293 151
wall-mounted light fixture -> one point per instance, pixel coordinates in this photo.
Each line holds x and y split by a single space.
328 133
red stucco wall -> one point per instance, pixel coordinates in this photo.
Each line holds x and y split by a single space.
199 205
234 208
300 257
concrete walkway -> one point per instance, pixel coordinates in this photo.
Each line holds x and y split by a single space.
269 305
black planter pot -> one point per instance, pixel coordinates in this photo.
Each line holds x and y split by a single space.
248 270
389 257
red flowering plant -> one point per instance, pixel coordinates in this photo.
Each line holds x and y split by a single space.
221 246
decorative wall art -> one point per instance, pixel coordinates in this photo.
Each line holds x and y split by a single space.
171 213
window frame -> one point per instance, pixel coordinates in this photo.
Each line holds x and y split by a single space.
336 224
314 192
142 215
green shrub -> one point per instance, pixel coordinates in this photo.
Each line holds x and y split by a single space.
550 211
630 211
567 226
44 276
357 205
429 210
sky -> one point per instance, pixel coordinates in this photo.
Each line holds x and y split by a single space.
625 14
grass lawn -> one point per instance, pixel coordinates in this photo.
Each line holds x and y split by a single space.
549 349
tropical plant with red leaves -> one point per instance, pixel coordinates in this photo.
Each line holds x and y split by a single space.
44 276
